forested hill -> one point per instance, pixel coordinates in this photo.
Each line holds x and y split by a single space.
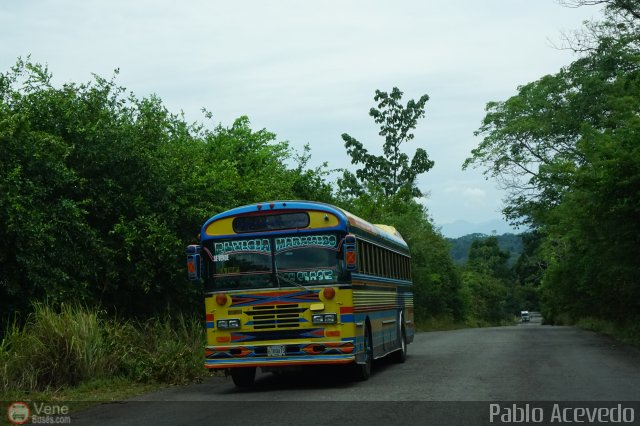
511 243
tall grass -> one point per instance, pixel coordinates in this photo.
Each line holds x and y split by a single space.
626 333
70 345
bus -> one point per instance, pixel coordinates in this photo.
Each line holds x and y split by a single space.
294 283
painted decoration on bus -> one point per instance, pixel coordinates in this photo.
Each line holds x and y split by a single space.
306 241
308 258
261 246
306 276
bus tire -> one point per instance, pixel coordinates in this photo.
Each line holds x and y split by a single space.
243 376
363 371
400 356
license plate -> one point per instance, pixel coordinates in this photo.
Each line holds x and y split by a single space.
277 350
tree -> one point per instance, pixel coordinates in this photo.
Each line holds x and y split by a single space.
392 171
101 191
488 279
566 146
311 184
487 297
625 7
383 191
529 270
485 256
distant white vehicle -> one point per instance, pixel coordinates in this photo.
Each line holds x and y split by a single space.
524 316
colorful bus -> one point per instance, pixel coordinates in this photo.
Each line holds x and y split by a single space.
291 283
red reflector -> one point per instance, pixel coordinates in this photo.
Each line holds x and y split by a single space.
209 317
329 292
332 333
221 299
351 258
223 339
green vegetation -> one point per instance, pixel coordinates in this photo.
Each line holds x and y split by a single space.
511 243
566 146
392 172
56 349
482 292
383 191
628 332
100 191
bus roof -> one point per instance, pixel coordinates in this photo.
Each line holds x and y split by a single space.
347 220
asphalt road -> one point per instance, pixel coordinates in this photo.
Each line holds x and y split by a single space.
450 377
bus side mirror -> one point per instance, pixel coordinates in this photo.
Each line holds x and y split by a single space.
194 265
350 253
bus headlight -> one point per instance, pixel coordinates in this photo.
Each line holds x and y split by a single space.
228 324
324 318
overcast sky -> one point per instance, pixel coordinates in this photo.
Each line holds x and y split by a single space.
307 71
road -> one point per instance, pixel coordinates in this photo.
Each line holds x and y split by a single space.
450 377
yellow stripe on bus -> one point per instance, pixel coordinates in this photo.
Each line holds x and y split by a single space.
316 220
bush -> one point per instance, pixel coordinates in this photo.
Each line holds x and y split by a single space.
70 345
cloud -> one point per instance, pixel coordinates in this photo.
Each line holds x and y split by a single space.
474 193
469 194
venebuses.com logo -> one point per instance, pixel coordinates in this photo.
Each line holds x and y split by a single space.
18 413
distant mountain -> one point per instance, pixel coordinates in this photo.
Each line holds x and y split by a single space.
460 228
459 250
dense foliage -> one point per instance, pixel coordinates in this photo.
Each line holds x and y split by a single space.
568 148
100 191
511 243
63 346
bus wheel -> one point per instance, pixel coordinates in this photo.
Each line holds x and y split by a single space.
363 371
400 355
244 376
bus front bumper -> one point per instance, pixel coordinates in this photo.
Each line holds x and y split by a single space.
281 354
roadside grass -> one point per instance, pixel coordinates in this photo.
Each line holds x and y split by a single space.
72 353
87 394
628 333
439 323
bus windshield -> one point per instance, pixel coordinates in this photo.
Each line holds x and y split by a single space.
238 264
309 259
249 263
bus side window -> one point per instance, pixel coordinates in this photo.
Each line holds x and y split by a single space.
408 268
376 261
367 251
395 265
388 259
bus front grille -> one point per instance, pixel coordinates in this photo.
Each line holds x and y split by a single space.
276 316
